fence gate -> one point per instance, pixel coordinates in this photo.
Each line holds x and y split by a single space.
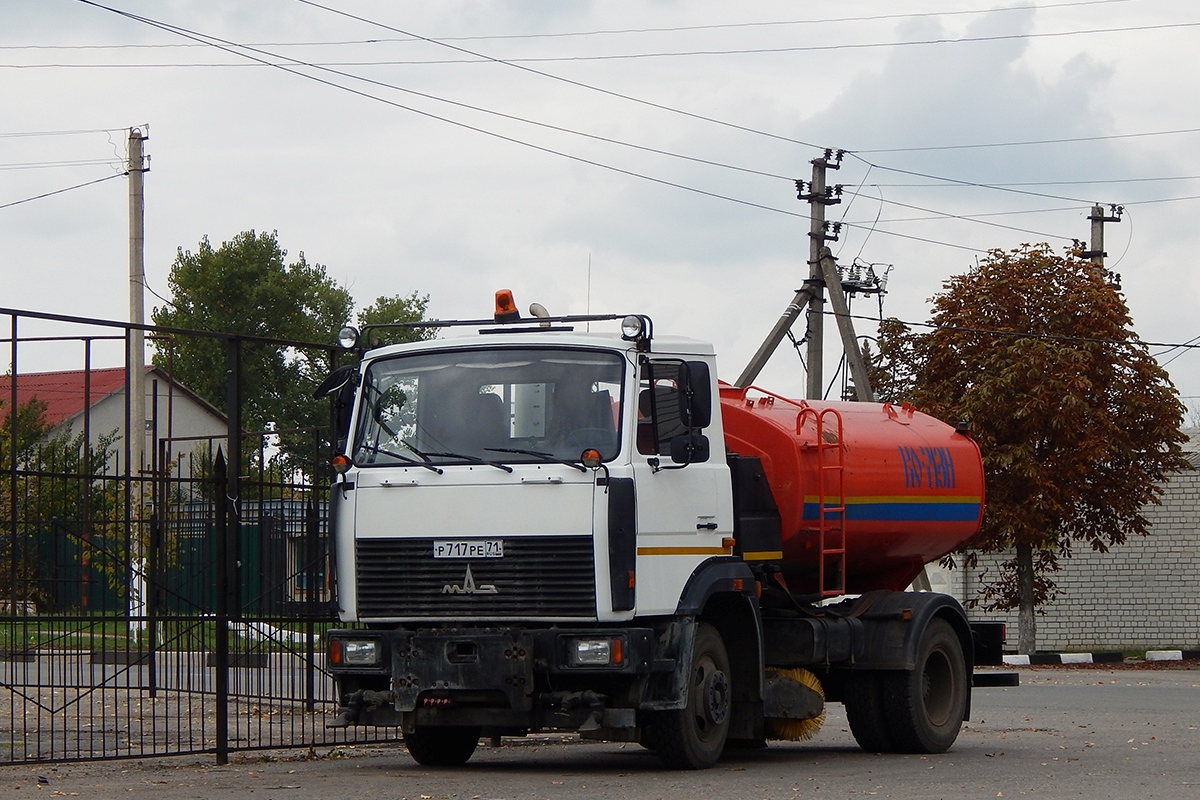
178 610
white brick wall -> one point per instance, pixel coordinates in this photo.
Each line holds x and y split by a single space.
1144 594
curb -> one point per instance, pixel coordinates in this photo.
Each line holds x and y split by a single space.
1172 655
1043 659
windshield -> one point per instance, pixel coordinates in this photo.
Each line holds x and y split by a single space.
504 405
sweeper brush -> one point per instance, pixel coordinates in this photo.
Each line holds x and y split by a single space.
796 730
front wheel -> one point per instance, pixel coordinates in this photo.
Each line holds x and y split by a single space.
925 707
694 737
442 747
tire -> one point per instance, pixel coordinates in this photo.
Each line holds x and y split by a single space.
694 737
925 707
648 725
442 747
864 711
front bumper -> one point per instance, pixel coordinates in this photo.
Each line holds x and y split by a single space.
500 678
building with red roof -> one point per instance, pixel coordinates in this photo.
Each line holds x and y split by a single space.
94 401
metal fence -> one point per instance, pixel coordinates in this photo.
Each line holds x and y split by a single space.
173 607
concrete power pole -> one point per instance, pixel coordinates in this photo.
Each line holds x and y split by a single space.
819 196
136 361
137 314
822 275
1096 253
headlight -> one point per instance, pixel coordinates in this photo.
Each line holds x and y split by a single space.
595 652
354 652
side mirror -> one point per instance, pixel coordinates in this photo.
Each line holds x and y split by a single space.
336 381
340 385
689 448
695 396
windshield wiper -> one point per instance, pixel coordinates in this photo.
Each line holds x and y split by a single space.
471 459
402 458
463 456
550 457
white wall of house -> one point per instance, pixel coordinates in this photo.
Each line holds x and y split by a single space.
179 414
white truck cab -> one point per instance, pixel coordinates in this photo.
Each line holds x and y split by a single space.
490 478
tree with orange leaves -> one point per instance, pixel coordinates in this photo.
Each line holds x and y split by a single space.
1077 423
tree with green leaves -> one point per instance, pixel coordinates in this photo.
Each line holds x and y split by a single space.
1077 423
63 493
247 287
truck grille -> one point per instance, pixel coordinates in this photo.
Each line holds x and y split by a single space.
539 576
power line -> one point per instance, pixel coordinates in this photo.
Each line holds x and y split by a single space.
910 237
588 33
25 134
479 109
603 32
511 63
559 78
779 23
61 191
1192 344
937 215
1161 200
968 218
1023 143
515 63
816 48
975 184
229 47
236 49
1194 341
1092 182
245 51
53 164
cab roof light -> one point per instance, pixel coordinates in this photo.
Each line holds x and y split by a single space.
348 337
636 328
506 307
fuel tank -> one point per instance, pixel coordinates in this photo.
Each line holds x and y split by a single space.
882 490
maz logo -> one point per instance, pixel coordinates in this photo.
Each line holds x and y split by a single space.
469 586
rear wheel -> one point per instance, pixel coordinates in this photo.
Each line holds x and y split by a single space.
865 713
925 707
694 737
442 747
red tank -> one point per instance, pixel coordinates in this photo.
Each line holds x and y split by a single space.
881 490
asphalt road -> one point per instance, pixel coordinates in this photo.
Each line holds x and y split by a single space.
1065 732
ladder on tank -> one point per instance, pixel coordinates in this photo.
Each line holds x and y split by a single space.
831 498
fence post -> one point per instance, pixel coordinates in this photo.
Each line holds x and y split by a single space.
221 645
153 584
228 538
311 600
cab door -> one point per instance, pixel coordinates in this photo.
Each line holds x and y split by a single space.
684 506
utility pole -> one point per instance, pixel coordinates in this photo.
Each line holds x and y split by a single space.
1096 253
136 364
819 196
137 314
822 274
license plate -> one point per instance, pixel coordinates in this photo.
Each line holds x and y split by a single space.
468 548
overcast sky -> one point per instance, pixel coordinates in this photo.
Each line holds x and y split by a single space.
626 156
